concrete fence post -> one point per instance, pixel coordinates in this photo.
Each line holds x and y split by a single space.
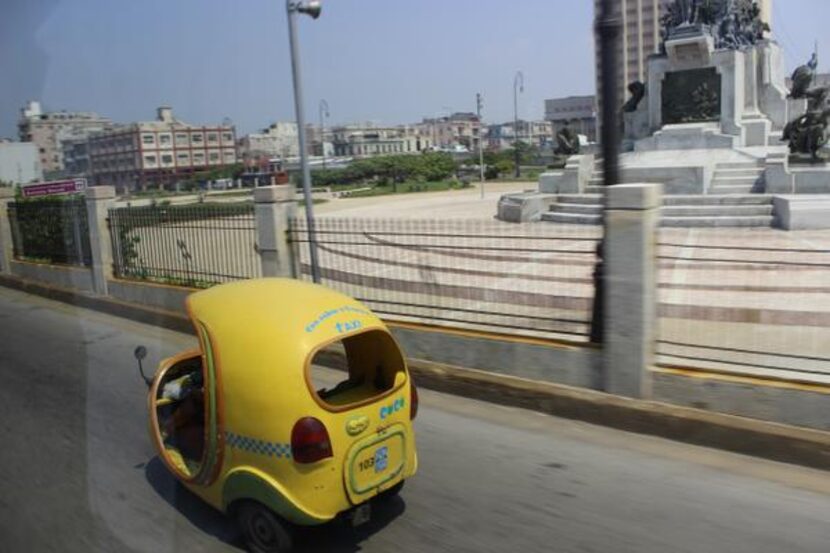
632 216
6 245
99 200
274 206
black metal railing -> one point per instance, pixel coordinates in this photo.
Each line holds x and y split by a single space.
51 231
194 245
745 301
476 274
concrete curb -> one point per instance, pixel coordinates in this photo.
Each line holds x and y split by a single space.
777 442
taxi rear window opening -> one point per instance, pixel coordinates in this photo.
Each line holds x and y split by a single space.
374 366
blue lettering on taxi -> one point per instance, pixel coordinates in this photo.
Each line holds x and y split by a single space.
348 327
325 315
394 407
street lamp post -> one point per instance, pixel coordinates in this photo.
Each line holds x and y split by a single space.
324 112
311 8
518 86
479 106
608 29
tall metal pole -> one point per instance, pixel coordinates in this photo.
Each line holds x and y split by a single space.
324 111
518 80
479 105
608 27
301 131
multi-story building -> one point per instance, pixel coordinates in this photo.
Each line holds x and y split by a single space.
580 112
76 157
279 140
369 140
534 133
458 129
158 153
641 37
48 130
19 163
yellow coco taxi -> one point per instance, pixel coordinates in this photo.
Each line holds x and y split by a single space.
243 425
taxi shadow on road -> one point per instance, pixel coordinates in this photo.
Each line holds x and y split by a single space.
335 537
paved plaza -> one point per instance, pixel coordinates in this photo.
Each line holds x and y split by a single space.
750 301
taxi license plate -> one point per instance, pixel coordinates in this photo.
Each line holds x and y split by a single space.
373 463
376 463
361 514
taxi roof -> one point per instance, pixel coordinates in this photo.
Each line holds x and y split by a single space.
255 322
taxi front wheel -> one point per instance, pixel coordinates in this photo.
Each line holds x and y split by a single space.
263 531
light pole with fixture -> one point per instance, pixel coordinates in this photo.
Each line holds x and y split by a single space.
324 112
518 86
479 106
311 8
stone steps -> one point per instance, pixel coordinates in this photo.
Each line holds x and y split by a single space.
753 172
709 221
732 189
717 211
751 164
577 208
571 218
745 210
580 199
727 199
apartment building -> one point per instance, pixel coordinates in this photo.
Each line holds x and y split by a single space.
535 133
580 112
281 140
47 130
458 129
158 153
19 163
370 140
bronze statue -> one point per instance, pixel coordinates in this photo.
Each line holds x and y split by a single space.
817 98
734 24
567 142
803 77
638 91
808 133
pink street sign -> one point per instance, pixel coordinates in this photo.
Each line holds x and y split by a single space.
54 188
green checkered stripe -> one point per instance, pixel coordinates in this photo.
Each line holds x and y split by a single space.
261 447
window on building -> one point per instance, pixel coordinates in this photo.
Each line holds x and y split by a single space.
214 156
150 160
167 159
227 137
181 139
148 139
212 137
197 138
164 139
198 158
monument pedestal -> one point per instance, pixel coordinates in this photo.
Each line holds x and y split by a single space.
687 136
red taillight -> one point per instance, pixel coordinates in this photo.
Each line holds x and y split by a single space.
413 401
310 441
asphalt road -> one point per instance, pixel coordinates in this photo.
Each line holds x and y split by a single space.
78 474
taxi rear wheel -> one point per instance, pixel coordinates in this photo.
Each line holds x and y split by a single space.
263 531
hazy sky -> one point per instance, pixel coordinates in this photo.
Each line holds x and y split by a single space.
388 61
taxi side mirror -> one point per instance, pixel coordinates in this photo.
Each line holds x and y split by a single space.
140 353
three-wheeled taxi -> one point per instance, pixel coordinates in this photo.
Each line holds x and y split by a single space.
243 424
